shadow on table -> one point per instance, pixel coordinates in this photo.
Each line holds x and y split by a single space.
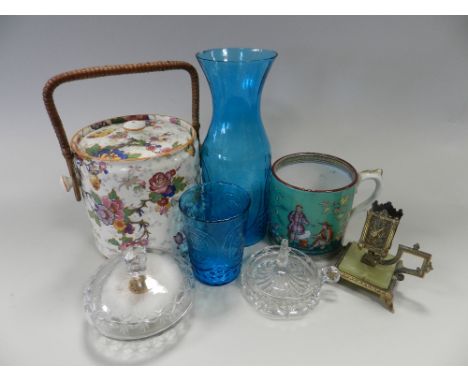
400 299
109 351
404 301
211 302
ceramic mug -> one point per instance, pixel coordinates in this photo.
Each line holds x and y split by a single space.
311 200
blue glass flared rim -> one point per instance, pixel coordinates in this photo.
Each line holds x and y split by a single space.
237 55
232 185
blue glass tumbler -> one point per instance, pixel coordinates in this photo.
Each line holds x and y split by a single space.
236 147
215 216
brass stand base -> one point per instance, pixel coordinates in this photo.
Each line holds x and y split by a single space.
378 280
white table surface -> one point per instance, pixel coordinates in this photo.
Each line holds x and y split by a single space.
387 92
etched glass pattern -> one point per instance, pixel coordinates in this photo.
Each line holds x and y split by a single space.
214 224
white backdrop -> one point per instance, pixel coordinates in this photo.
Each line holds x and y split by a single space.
387 92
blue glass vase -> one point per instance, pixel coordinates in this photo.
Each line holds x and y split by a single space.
236 148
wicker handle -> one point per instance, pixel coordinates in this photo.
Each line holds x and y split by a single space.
104 71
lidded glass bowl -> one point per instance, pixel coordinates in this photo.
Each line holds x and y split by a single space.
138 294
282 282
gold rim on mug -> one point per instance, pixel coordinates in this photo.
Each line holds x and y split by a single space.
309 157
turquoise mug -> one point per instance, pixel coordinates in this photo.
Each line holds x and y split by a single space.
311 200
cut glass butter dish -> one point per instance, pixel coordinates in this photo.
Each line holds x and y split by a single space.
138 294
282 282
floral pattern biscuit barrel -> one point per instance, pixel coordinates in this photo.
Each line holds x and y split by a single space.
132 171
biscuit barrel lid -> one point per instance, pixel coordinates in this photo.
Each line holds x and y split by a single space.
133 138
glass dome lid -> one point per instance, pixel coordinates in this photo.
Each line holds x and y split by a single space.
282 282
138 294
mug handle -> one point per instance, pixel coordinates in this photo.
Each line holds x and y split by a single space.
376 177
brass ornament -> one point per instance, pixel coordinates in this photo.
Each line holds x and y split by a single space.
368 265
138 285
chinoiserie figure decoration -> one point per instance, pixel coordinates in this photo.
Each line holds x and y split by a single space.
324 237
297 223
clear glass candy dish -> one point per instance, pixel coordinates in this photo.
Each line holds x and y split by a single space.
282 282
138 294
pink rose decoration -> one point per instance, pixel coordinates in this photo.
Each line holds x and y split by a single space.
116 206
143 242
126 245
160 182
